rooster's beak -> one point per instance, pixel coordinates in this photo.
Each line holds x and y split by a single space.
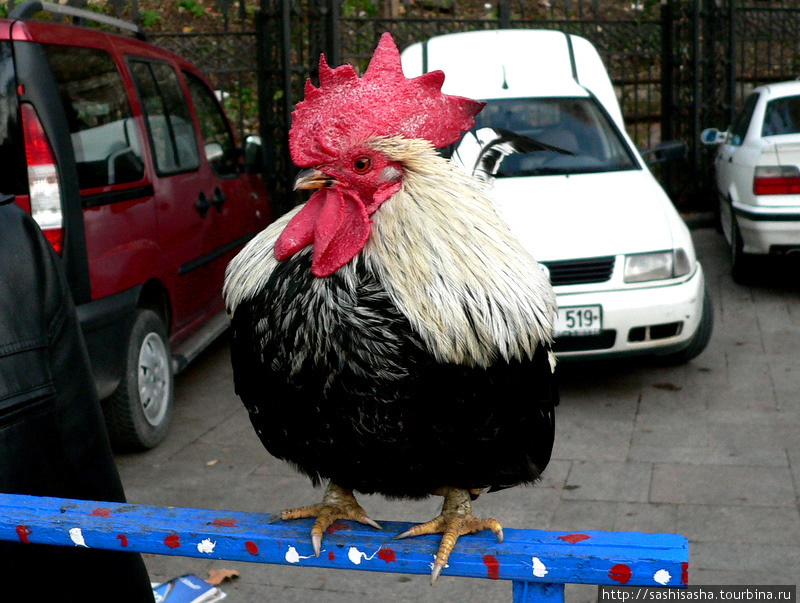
312 178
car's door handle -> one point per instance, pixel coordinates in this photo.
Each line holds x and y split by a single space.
218 199
202 204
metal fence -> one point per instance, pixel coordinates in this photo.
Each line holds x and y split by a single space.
629 41
678 66
229 59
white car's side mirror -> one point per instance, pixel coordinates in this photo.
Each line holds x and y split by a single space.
711 136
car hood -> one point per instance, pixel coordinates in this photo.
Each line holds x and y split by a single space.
586 215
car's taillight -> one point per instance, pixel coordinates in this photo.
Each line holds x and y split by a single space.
45 192
776 180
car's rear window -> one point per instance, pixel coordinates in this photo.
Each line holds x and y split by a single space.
544 136
106 142
13 176
782 116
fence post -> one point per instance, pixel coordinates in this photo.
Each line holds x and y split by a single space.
332 45
504 13
667 69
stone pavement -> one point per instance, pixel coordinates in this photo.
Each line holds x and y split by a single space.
710 450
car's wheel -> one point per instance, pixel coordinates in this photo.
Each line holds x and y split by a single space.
741 262
139 411
701 337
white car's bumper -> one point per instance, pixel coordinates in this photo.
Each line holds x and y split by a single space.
767 229
638 321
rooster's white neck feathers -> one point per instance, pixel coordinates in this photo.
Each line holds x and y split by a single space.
447 260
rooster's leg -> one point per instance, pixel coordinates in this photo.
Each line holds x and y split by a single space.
338 503
456 519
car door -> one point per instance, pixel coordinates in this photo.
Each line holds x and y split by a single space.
731 172
181 183
236 208
728 160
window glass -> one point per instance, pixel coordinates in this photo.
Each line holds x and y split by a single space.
543 136
742 121
104 136
220 147
167 115
782 116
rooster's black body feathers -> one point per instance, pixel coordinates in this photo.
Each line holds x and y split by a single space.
338 383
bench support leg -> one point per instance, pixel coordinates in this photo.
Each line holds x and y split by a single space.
538 592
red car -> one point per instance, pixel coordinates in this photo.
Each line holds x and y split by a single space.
123 155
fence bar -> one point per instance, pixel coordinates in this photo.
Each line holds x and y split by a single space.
538 562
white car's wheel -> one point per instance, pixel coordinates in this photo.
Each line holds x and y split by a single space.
741 262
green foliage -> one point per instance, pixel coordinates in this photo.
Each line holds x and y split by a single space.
242 109
360 8
150 18
193 7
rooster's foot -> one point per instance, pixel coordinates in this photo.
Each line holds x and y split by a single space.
456 519
338 503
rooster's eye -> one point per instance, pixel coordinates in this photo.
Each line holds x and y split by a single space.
362 164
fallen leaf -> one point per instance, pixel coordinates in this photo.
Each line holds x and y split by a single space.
218 576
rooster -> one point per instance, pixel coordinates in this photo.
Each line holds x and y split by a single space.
391 335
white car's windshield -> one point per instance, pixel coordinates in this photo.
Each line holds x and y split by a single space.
542 136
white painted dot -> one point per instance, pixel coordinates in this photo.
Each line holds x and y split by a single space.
539 568
432 563
355 556
662 576
206 546
76 535
292 556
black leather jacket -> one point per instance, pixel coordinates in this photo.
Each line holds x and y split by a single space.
53 440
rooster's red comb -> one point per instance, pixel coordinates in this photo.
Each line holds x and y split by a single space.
346 109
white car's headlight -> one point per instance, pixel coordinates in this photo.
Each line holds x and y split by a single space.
656 266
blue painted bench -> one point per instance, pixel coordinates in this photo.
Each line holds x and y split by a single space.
539 563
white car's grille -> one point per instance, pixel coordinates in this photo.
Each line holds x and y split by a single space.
578 272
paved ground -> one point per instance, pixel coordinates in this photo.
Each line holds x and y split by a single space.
710 450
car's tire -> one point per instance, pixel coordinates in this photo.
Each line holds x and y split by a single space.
139 411
741 262
702 335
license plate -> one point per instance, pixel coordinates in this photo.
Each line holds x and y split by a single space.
579 320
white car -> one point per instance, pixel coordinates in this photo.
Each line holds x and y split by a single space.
757 170
551 143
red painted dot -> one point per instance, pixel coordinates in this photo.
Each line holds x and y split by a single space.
388 555
331 555
336 526
573 538
251 547
22 533
101 512
492 567
123 539
173 541
684 573
620 572
224 522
